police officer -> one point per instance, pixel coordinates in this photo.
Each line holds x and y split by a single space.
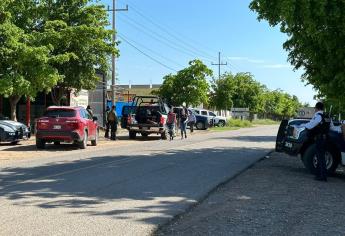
107 125
318 128
112 119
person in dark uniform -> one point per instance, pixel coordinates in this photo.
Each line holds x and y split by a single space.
107 125
89 110
112 119
318 128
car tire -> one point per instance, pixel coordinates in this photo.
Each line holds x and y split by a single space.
83 143
132 134
333 158
57 143
200 125
40 143
221 123
95 141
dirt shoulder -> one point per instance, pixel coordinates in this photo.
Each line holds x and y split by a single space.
277 196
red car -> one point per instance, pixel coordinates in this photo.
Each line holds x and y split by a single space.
66 124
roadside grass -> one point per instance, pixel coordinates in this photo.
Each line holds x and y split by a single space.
265 122
235 124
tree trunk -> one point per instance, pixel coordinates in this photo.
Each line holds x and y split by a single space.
13 104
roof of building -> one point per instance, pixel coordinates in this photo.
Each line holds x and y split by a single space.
137 86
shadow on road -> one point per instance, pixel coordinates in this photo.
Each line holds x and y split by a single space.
23 147
180 178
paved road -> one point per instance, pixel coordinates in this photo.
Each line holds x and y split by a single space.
125 190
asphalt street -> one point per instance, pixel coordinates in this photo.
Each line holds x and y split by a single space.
122 190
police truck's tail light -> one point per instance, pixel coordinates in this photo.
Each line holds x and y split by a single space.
162 120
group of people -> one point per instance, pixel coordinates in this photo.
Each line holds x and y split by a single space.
181 120
111 121
318 130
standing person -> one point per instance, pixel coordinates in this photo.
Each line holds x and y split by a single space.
112 119
107 125
89 110
318 129
171 123
183 121
191 121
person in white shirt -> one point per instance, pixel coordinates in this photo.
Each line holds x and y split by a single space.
191 121
317 129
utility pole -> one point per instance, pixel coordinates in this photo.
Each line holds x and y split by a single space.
113 59
219 64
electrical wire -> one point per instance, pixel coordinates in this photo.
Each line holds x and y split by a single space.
177 44
158 38
188 46
120 35
147 55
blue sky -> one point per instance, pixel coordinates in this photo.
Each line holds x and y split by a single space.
175 32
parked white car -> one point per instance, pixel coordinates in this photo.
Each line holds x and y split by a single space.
217 120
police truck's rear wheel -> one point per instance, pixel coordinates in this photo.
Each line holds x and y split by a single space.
332 157
132 135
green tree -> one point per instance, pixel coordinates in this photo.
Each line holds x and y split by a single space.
222 92
280 104
188 85
25 65
247 91
316 31
77 31
70 41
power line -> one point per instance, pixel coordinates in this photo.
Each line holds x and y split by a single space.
145 54
164 28
152 51
158 38
178 43
174 35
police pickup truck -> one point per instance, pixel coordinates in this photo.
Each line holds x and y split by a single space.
293 140
146 115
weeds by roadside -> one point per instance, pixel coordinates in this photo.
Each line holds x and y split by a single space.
265 122
234 124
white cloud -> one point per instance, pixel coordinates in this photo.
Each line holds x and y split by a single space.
277 66
247 59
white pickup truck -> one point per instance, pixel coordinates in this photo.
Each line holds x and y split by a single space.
216 120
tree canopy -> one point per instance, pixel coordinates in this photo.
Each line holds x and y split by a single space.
316 31
25 65
189 85
243 91
47 43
